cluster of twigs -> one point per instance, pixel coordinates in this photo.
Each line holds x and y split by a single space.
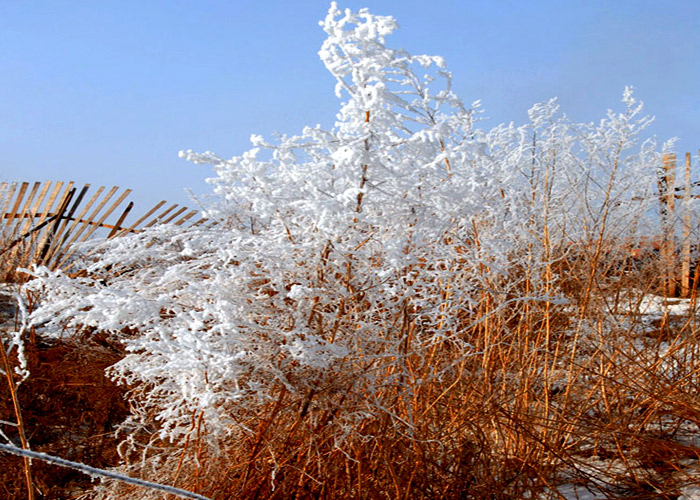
402 307
552 393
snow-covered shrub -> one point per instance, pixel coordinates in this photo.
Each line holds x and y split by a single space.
359 279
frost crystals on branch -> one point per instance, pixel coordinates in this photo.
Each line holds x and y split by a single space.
345 261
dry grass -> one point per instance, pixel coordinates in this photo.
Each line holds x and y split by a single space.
582 392
69 409
550 393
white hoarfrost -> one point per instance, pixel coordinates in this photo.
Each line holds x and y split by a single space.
326 242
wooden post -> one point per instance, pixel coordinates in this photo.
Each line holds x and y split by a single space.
685 252
667 197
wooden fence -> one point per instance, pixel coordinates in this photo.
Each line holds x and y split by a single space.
678 263
41 221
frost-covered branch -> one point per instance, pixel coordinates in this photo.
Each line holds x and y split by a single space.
95 472
343 260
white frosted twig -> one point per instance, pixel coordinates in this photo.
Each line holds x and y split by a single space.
92 471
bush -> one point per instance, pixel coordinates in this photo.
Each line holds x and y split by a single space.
383 309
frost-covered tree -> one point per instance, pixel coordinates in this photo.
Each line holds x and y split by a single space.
327 244
346 270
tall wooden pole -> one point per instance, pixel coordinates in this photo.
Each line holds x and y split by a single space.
667 197
685 252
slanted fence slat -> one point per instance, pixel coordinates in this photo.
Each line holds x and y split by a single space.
70 249
143 218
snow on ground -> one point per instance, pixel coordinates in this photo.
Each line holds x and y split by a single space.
573 492
658 305
651 307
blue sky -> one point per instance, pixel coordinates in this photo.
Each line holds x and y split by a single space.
107 92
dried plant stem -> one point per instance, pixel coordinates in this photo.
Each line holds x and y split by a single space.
101 472
20 423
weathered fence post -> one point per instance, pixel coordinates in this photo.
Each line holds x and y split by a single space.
685 251
667 198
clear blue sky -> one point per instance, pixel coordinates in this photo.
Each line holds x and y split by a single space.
108 92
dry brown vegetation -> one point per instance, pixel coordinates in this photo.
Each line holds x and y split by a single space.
69 408
591 392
